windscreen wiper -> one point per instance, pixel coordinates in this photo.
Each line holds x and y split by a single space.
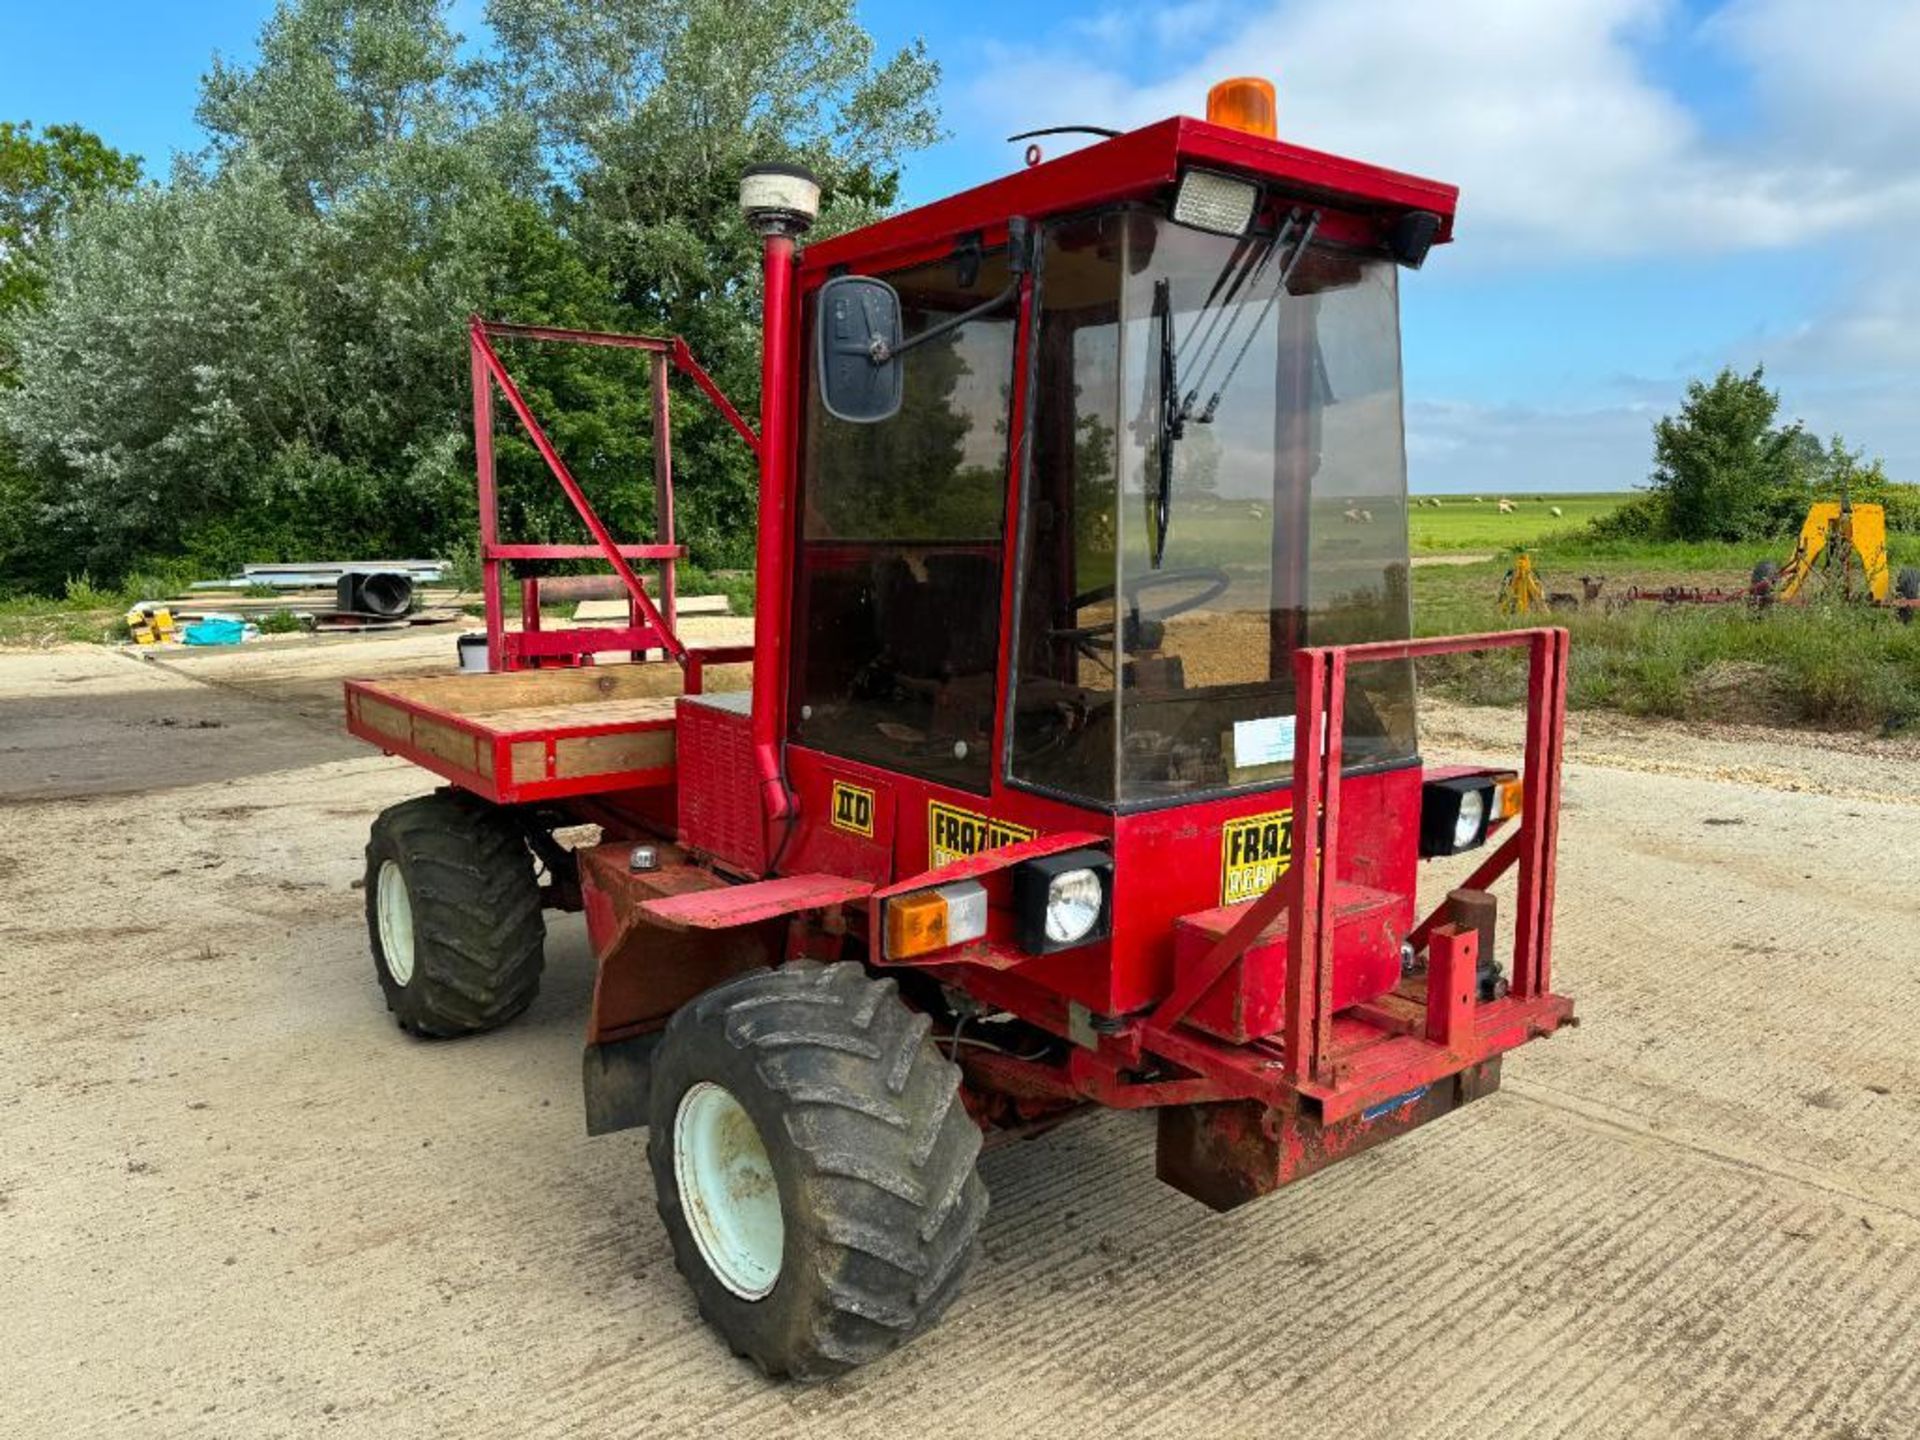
1172 423
1292 236
1243 262
1213 336
1205 417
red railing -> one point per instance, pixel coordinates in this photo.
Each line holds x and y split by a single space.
650 625
1306 891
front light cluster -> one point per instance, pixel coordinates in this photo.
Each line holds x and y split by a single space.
1061 901
1456 813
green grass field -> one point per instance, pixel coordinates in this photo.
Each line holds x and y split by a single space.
1460 522
1826 664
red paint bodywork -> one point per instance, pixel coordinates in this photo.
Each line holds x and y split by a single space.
1292 1003
1362 199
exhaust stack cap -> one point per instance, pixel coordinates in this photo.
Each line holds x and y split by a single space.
779 199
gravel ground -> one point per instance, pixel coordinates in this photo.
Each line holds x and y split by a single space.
234 1201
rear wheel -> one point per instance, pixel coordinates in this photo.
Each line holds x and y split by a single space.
453 913
813 1167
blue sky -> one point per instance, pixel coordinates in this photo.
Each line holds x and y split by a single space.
1650 188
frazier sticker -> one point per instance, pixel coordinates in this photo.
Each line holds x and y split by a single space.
853 808
953 834
1255 851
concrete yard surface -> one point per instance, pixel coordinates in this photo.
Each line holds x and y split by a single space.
235 1201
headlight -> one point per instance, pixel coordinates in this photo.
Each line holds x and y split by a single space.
1454 813
1471 822
1061 901
1073 906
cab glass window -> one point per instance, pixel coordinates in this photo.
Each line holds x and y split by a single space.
1217 480
901 531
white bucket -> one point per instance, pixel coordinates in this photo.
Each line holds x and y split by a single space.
473 651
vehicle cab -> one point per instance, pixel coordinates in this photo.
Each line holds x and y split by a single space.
1137 440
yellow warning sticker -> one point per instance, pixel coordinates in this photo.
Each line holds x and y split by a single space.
852 808
953 834
1255 852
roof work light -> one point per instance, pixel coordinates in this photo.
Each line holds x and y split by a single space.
1217 203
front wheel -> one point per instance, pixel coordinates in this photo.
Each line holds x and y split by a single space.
813 1167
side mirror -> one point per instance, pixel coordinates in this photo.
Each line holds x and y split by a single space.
857 319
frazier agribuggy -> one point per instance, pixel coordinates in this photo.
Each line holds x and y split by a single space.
1073 763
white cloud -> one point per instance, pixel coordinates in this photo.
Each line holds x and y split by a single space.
1544 114
1873 331
1836 77
1569 148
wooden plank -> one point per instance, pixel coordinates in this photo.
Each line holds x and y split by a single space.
648 711
512 690
619 609
728 679
529 762
605 754
446 742
387 719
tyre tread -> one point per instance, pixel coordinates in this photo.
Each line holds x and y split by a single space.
886 1156
479 931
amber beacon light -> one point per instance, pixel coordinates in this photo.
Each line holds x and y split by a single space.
1245 103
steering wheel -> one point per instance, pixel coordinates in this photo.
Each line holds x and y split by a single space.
1211 580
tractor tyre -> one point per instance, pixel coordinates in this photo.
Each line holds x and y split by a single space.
1906 586
453 911
813 1166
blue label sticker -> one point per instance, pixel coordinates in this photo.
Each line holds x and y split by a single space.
1387 1107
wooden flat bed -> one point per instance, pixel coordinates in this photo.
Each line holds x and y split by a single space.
531 735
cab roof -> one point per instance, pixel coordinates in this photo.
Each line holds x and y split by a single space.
1133 166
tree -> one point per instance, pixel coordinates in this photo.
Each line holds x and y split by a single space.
649 110
1721 469
42 183
349 94
264 356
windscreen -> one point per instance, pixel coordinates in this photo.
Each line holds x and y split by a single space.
1218 478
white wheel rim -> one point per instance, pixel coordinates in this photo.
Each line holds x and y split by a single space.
728 1190
395 908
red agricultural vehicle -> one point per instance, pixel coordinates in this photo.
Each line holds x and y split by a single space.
1073 763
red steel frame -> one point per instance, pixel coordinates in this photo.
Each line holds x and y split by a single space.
651 625
1335 1065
